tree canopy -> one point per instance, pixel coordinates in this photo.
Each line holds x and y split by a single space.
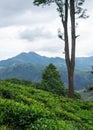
51 80
61 3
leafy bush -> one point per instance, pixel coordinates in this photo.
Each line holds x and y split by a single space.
3 127
51 124
20 116
19 81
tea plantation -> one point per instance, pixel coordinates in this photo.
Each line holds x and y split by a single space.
23 107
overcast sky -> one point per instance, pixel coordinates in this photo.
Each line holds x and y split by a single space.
25 27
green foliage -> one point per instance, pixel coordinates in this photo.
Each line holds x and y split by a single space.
3 127
51 80
90 88
51 72
19 81
60 3
27 108
20 116
38 2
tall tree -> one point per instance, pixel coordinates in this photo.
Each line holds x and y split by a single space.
66 8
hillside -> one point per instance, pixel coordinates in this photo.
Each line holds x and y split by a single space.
30 65
23 107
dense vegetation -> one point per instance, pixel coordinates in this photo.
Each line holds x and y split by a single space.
23 107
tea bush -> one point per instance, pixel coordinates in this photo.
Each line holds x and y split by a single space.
26 108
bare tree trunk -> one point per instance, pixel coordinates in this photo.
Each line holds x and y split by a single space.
70 60
73 43
71 83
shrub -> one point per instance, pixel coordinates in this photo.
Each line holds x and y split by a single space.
19 81
20 116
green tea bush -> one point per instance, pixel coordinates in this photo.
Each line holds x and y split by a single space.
20 116
45 124
51 124
27 108
19 81
3 127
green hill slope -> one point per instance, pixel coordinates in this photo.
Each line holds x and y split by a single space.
23 107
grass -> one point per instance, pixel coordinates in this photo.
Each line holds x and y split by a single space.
23 107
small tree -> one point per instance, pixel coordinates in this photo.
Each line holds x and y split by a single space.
51 80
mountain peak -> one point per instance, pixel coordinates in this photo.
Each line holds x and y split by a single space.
30 57
33 54
28 54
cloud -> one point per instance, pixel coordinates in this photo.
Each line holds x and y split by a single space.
10 10
20 12
11 7
35 34
25 27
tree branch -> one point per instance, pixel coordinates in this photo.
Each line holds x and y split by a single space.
77 36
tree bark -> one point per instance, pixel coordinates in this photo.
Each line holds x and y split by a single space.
73 43
70 60
71 83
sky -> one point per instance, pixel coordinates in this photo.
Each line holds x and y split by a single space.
25 28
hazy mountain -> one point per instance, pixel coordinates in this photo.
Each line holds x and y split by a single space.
23 71
84 63
31 58
30 66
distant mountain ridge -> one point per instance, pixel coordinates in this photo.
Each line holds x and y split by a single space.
30 66
31 58
84 63
34 58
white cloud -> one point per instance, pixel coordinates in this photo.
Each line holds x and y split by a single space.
25 27
36 34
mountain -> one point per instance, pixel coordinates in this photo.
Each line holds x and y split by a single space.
30 65
31 58
23 71
84 63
